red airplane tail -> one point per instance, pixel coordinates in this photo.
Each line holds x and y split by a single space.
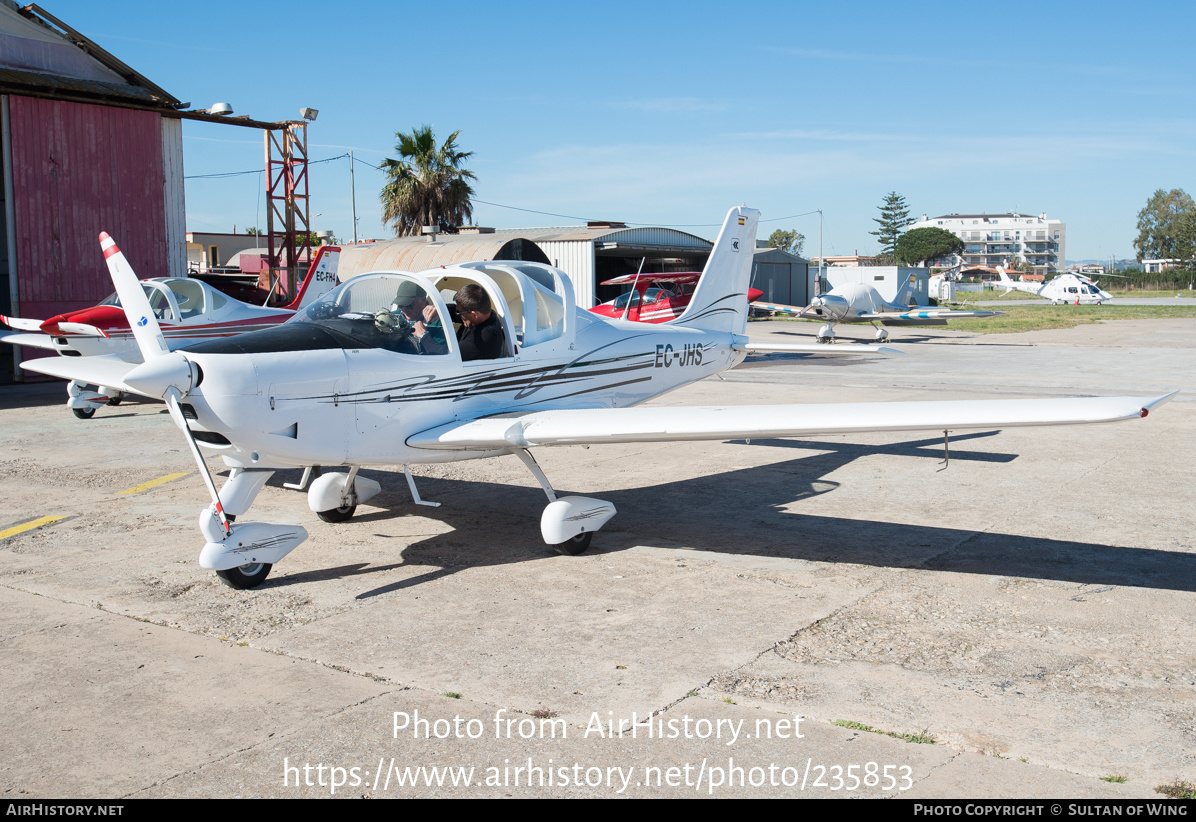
320 279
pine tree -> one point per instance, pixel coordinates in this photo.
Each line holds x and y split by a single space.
894 216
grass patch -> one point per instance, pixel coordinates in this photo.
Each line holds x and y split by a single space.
1138 292
1179 789
1020 318
973 296
920 738
1118 778
451 694
544 713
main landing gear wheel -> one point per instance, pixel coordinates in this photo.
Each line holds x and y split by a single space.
116 399
245 576
576 545
341 514
84 413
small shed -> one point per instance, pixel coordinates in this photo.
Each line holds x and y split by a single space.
783 277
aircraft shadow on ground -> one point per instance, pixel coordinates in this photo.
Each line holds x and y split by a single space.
49 394
40 395
745 512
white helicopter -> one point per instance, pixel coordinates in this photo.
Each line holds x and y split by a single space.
1063 288
343 384
861 303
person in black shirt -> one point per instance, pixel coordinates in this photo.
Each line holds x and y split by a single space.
481 335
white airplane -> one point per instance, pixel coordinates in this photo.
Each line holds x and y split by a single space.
187 310
861 303
342 384
1063 288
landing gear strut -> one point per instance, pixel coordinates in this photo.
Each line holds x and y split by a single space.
568 523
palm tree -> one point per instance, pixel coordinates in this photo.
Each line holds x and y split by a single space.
427 185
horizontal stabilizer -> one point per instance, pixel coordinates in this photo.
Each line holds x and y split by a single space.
107 370
81 328
593 426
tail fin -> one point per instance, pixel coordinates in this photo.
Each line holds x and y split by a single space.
320 279
720 302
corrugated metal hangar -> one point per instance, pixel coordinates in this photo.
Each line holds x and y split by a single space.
88 146
588 254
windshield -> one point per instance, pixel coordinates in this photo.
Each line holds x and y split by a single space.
157 300
390 311
620 301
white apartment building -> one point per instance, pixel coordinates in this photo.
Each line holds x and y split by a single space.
1003 239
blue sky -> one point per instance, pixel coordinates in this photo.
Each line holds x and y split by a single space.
670 113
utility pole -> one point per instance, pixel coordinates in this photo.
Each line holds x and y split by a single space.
821 257
353 186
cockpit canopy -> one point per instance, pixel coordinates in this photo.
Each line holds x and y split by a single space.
381 311
177 298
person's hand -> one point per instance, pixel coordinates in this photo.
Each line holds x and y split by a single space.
429 313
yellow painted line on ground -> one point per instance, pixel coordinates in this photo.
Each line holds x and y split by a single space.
154 483
28 526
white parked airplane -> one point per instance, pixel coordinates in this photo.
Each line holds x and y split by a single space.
1063 288
861 303
344 384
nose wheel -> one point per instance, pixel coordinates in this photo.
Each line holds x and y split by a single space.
341 514
575 545
245 576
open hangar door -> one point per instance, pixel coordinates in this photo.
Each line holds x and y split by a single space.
617 262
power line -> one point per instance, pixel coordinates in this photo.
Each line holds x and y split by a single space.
642 225
224 174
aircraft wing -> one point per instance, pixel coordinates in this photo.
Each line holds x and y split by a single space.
845 349
594 426
104 370
21 324
925 314
32 340
778 307
648 277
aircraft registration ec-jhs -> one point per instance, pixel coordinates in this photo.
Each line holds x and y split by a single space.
346 383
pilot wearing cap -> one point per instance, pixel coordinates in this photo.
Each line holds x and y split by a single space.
426 328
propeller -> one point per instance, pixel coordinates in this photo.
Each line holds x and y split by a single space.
167 374
831 306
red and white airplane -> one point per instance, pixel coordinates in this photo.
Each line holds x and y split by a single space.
655 298
187 310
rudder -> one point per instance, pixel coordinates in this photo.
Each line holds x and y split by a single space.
720 302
